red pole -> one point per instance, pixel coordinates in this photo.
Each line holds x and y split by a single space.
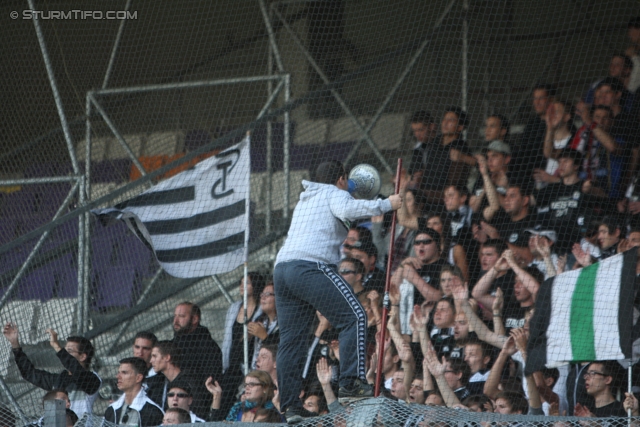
385 306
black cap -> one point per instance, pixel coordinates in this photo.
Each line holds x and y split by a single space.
364 244
181 384
430 231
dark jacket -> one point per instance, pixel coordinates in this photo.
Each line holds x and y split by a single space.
82 385
201 356
154 387
142 408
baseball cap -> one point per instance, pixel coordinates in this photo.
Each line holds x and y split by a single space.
499 147
549 234
429 231
181 384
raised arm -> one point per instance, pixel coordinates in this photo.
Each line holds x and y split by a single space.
527 280
408 365
498 305
460 294
481 289
37 377
544 249
404 219
535 403
324 373
460 259
12 334
493 381
392 327
427 291
437 369
422 320
346 208
489 190
427 379
547 149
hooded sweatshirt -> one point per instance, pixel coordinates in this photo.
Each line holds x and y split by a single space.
320 222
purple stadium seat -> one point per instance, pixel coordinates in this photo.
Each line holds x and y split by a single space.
7 230
195 139
101 253
47 169
135 253
18 204
65 232
30 223
67 277
259 146
48 197
38 284
56 279
115 287
337 151
115 170
40 170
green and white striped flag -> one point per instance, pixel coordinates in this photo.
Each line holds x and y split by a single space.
584 315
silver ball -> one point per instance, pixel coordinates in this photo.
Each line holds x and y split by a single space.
366 180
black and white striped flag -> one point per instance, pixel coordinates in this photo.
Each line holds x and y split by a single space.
197 222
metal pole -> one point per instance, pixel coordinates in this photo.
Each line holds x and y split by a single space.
127 322
86 281
84 248
245 331
272 97
14 403
116 43
43 180
286 149
83 236
119 137
36 248
273 45
385 307
335 94
223 291
267 217
54 89
399 82
246 272
629 385
82 261
87 148
184 85
465 53
269 178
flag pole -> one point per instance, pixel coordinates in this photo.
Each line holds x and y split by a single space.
629 387
245 301
385 306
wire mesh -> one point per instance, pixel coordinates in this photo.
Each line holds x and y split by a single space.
383 412
481 100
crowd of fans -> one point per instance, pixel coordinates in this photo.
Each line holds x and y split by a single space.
468 261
